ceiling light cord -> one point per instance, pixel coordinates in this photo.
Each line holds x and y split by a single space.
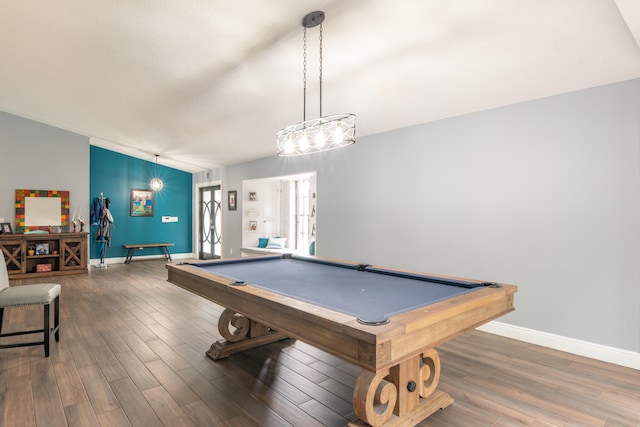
320 73
304 74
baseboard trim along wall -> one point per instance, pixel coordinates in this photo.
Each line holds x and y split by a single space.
604 353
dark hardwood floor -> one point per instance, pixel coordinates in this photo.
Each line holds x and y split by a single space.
132 349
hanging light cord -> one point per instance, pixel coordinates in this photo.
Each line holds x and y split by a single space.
304 74
320 69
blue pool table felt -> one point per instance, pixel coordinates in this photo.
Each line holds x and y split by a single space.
372 295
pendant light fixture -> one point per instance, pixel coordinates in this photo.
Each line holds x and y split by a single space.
156 183
323 133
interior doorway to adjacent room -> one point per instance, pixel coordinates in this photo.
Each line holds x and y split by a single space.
283 207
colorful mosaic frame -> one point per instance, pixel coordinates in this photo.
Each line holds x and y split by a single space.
20 202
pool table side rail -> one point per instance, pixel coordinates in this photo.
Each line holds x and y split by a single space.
278 312
446 320
371 347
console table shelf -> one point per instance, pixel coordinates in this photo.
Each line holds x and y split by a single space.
37 255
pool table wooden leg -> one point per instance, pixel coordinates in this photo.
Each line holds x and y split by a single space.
240 333
402 395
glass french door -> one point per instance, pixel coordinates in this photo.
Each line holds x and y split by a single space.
210 211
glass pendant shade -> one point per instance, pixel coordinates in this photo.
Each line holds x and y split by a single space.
156 183
313 136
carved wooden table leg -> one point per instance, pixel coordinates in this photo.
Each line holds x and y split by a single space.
403 395
240 333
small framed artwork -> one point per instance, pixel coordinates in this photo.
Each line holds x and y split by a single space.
253 196
5 228
55 229
42 249
232 198
253 225
141 202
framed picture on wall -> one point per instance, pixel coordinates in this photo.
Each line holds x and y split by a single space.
141 202
253 196
233 197
253 225
5 228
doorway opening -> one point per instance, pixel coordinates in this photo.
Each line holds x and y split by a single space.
282 207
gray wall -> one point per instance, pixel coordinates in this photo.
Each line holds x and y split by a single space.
543 194
41 157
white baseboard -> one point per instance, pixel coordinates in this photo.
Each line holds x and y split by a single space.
95 262
604 353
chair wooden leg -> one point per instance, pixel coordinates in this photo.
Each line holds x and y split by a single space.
46 330
56 317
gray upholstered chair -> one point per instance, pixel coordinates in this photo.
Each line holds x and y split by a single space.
42 294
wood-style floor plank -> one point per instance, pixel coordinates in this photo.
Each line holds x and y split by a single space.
98 390
69 383
81 415
18 403
132 353
46 394
137 409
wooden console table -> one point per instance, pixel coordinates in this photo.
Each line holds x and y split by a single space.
53 254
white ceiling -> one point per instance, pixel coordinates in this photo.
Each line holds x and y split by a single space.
206 83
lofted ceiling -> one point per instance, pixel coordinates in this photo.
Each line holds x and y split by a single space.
208 83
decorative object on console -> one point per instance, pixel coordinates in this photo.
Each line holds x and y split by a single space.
42 249
5 228
43 268
323 133
76 219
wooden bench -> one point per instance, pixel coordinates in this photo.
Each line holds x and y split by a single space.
132 247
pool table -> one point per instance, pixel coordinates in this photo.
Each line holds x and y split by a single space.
386 321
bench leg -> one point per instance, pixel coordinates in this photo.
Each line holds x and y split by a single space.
129 256
167 255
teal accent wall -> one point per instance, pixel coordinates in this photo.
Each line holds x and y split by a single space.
115 175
